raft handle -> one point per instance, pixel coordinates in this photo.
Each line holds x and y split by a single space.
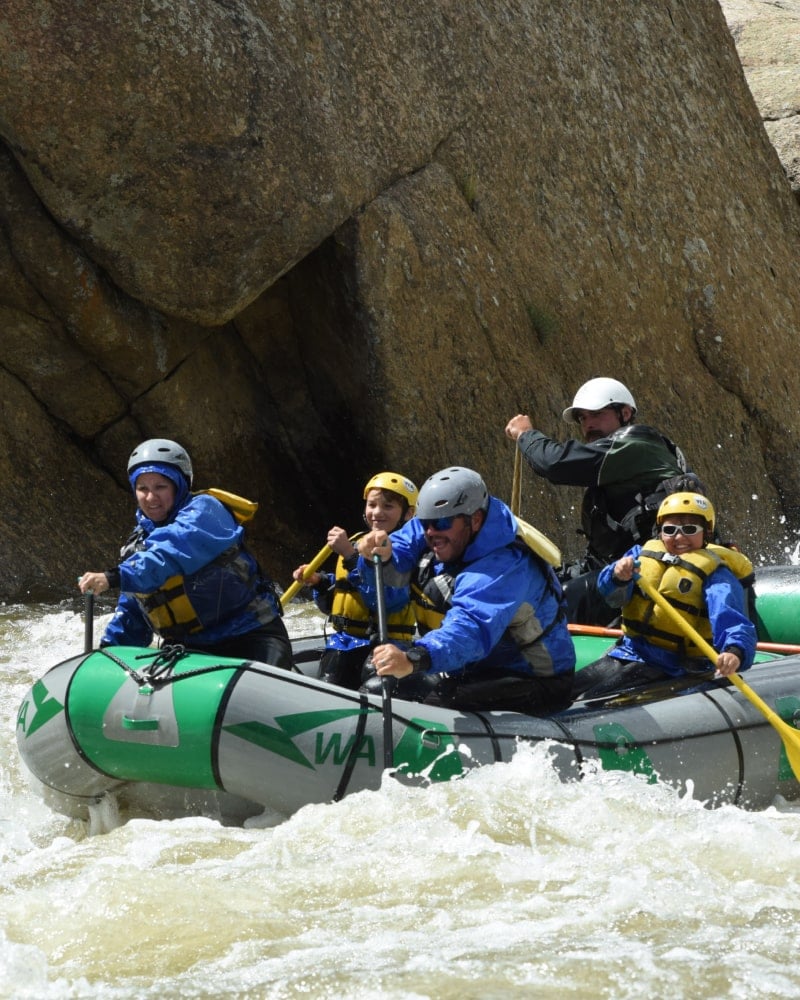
139 724
622 747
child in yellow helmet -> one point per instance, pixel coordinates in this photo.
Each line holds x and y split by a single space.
703 581
349 599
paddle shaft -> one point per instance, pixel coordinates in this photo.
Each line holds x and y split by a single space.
88 621
576 628
516 484
386 690
312 567
709 651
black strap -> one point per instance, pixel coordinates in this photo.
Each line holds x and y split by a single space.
355 747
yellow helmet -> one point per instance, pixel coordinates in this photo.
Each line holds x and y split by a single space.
396 483
687 503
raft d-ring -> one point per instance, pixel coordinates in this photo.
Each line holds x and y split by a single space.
622 747
430 739
796 718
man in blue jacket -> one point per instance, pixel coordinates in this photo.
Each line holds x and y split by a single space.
184 573
493 631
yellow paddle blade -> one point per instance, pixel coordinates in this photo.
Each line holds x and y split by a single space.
312 567
538 542
789 735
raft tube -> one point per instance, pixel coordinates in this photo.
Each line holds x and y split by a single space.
241 737
777 590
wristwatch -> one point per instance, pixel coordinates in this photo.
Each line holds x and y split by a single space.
420 658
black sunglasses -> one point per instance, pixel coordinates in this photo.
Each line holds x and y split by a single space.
685 529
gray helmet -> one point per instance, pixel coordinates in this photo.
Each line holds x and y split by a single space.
452 491
163 451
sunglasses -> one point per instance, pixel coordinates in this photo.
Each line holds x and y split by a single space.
684 529
437 523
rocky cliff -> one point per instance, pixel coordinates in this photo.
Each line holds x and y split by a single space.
767 37
313 240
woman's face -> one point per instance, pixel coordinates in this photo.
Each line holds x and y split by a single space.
155 495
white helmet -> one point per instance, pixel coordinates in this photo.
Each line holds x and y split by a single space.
598 393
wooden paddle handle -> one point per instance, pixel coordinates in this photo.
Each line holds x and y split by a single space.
516 484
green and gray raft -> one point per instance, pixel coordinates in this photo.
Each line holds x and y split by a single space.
173 733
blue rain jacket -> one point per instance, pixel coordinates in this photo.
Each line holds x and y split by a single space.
230 596
494 577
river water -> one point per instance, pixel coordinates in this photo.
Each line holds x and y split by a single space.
505 883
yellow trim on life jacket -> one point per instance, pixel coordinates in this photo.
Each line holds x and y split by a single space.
169 608
538 543
243 510
681 583
428 617
350 614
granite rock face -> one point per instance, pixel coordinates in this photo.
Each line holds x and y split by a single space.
767 37
312 241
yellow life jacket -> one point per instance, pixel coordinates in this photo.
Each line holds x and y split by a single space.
431 594
243 510
680 580
350 614
170 610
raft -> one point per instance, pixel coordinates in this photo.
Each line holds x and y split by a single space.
171 732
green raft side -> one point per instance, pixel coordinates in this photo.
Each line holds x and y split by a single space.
165 738
428 748
777 614
589 648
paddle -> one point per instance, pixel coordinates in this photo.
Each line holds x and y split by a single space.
516 484
88 621
575 628
386 690
789 735
312 567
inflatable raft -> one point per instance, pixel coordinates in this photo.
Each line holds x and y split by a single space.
173 732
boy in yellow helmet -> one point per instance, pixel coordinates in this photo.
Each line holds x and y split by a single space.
701 580
349 599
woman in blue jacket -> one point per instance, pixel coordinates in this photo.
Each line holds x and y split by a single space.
185 574
493 628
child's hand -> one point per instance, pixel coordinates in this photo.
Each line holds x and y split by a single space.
624 569
313 579
340 543
727 664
